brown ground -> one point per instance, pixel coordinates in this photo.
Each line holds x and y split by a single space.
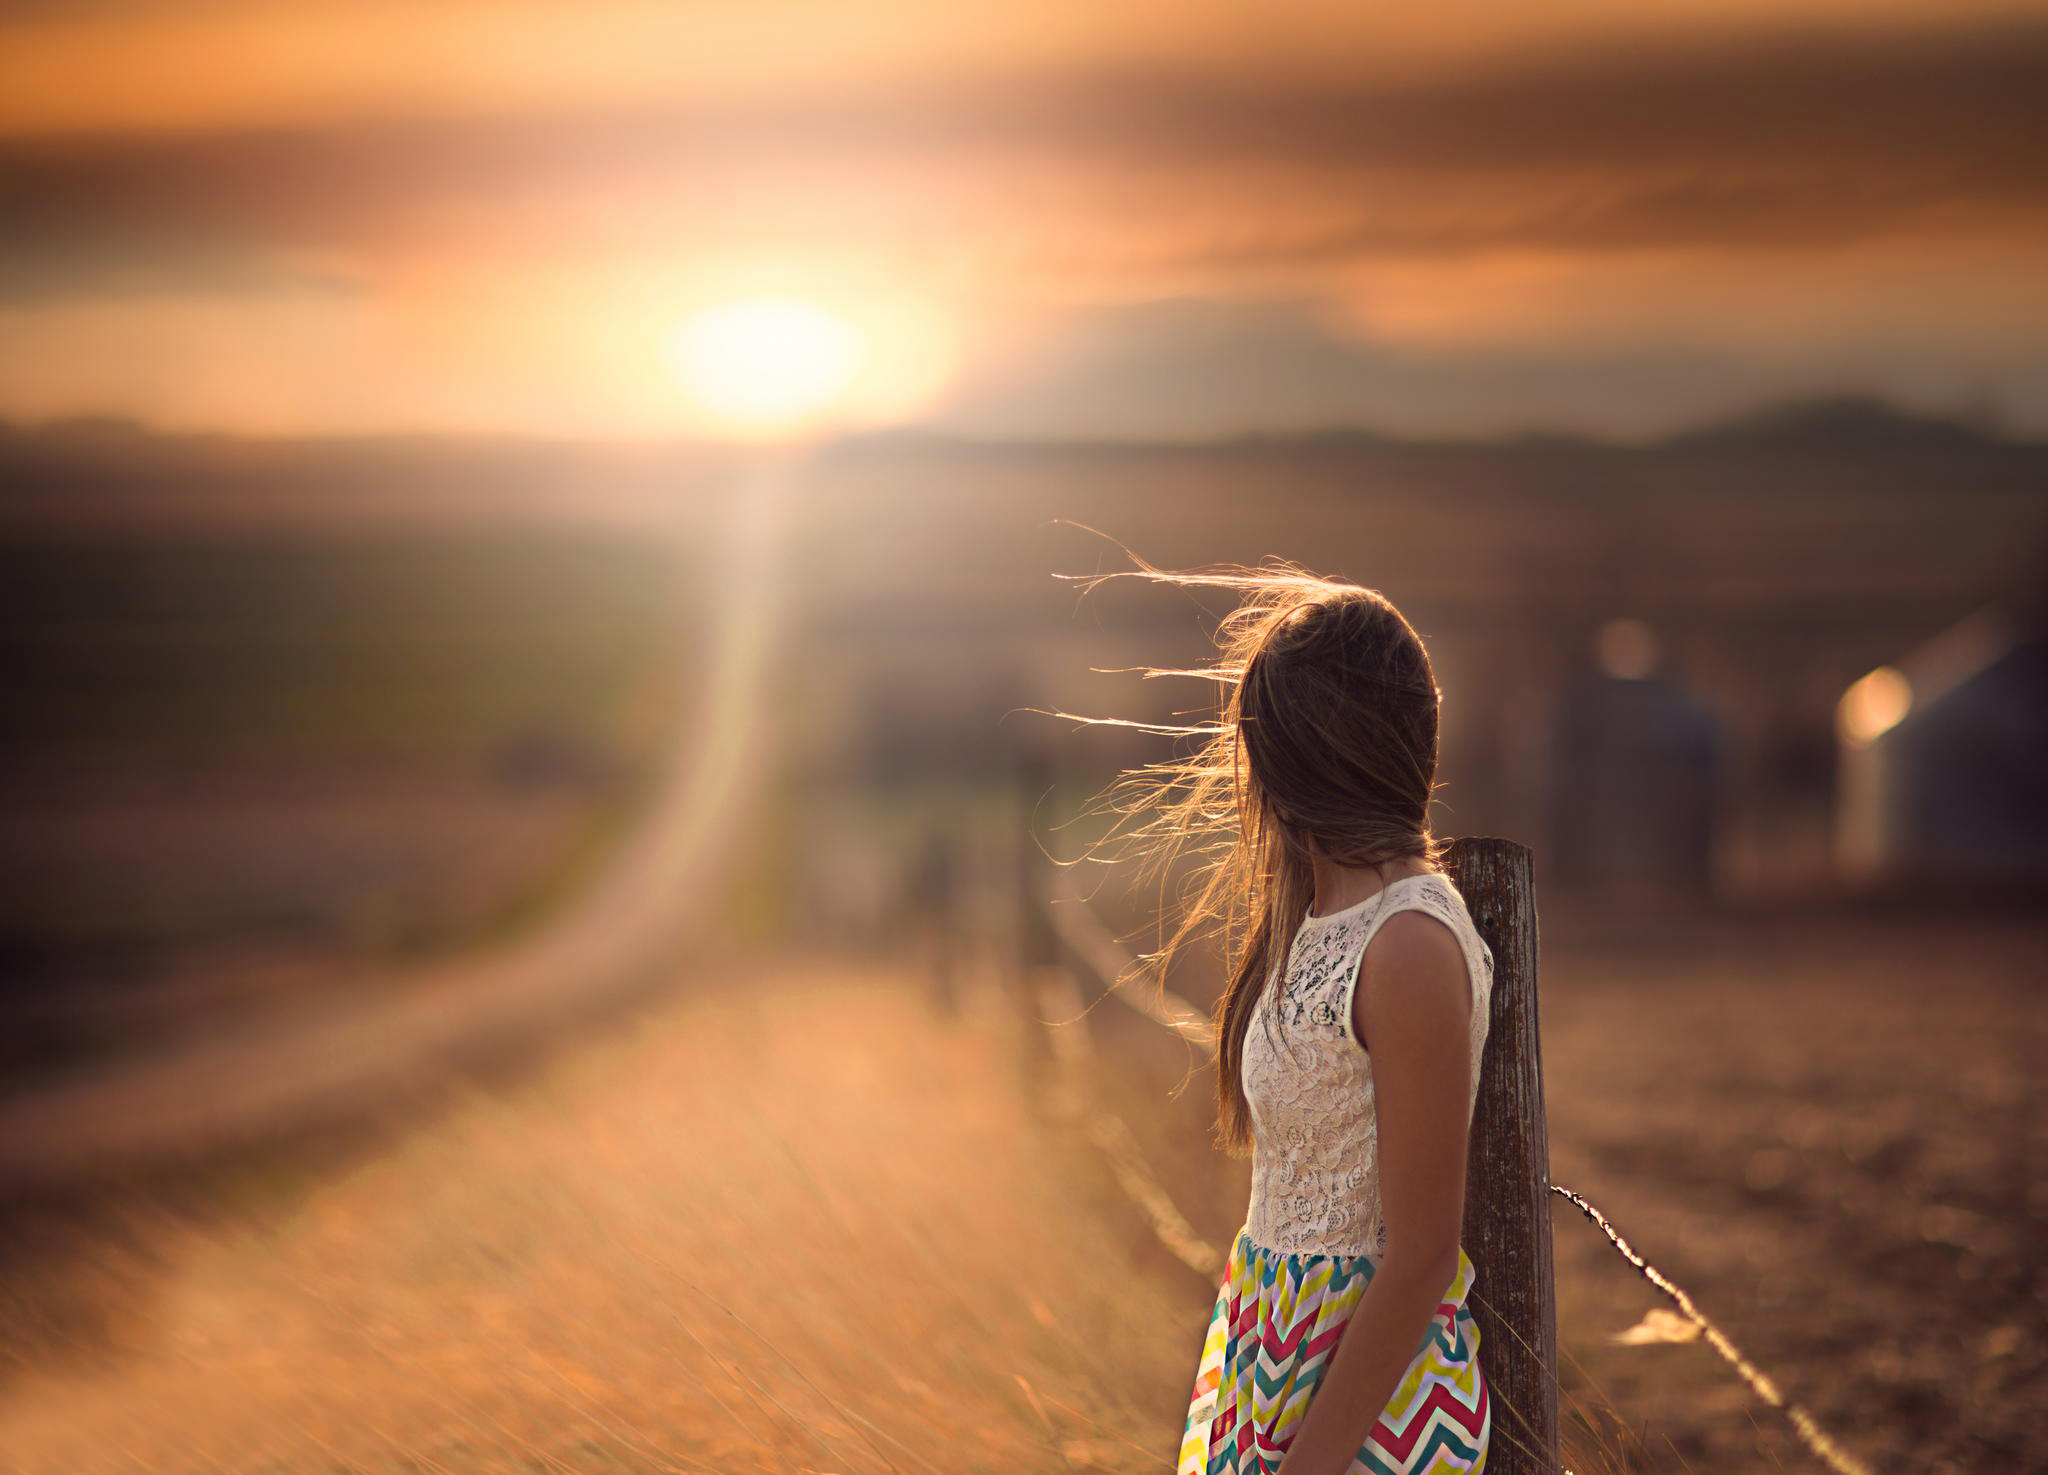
1835 1135
804 1225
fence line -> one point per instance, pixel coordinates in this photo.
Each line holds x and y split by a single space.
1073 1100
1085 938
1811 1434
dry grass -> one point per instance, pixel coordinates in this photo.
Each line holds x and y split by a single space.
795 1226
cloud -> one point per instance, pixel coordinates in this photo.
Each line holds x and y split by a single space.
1621 236
1808 140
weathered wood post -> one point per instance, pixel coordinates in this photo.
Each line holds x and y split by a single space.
1507 1185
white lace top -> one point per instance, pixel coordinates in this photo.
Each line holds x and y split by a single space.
1315 1132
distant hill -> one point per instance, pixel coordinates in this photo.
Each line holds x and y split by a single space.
1838 423
114 475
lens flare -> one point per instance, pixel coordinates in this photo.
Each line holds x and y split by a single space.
1873 706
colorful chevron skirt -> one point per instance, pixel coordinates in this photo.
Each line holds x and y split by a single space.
1275 1327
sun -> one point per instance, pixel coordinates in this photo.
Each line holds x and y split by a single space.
765 363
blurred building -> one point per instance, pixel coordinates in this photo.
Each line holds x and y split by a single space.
1634 773
1944 759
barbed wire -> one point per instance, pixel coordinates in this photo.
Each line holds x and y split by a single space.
1811 1434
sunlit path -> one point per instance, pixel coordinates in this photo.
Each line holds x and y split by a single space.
790 1223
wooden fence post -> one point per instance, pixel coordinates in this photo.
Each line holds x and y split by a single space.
1507 1186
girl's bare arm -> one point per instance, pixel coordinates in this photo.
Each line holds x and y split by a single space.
1413 1008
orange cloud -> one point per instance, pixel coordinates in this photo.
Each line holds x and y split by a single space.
481 224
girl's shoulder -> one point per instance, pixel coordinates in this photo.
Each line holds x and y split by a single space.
1427 891
1435 891
1434 894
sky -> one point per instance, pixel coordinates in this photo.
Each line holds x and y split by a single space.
1044 219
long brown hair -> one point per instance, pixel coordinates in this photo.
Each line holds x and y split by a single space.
1325 742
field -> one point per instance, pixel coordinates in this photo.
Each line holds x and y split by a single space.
246 770
791 1219
1832 1133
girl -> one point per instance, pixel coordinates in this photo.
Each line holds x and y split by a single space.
1348 1039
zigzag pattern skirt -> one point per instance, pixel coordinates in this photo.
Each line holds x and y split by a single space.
1277 1321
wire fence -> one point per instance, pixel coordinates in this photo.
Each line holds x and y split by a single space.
1057 1000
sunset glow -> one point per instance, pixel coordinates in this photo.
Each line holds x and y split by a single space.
766 362
1145 222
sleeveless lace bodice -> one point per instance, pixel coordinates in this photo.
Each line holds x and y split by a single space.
1315 1148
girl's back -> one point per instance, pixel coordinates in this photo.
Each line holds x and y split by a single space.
1315 1156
